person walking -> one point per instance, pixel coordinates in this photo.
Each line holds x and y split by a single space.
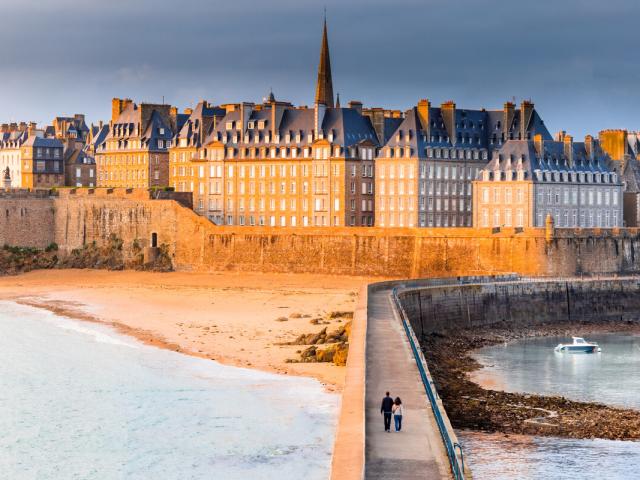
386 409
397 413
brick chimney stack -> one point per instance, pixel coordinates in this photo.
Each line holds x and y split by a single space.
526 113
424 107
356 105
538 142
117 107
589 147
568 148
448 110
31 129
507 118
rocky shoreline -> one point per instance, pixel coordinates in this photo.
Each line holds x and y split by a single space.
470 406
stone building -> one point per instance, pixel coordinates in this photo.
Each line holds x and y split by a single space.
33 160
624 149
425 169
135 152
273 164
73 133
69 127
527 181
188 169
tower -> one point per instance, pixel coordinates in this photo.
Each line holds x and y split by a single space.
324 85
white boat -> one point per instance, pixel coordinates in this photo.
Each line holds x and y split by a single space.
579 345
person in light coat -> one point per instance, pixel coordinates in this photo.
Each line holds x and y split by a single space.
397 413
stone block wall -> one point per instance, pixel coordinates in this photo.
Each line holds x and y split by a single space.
26 221
512 304
77 217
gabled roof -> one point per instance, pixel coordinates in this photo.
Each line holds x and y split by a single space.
342 126
523 155
35 141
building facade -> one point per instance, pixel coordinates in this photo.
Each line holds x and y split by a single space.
624 149
135 151
527 181
273 164
33 160
188 168
425 170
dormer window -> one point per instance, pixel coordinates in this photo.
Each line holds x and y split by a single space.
261 124
251 124
229 126
161 131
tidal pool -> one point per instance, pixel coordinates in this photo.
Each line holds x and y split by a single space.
532 366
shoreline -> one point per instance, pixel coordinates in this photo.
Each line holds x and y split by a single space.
221 316
473 407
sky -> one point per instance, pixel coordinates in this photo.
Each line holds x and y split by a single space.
577 60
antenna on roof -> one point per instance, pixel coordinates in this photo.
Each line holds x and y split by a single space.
163 99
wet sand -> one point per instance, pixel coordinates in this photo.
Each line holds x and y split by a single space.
236 319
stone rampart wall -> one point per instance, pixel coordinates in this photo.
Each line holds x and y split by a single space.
513 304
194 243
26 222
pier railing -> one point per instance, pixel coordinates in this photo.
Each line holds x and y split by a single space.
454 450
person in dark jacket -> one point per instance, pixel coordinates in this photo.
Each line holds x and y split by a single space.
386 409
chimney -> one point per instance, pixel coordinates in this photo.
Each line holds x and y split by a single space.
245 114
356 105
589 147
507 119
559 136
22 127
377 116
187 111
100 124
568 149
318 117
4 128
538 142
31 129
526 113
448 110
117 107
424 106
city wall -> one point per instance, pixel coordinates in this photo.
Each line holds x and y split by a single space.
522 303
72 218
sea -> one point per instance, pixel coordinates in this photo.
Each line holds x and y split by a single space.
532 366
81 401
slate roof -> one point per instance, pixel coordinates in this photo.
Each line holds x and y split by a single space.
341 126
35 141
522 155
125 128
476 129
198 125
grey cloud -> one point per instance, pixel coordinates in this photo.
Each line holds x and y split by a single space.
574 58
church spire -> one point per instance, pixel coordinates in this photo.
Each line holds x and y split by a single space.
324 86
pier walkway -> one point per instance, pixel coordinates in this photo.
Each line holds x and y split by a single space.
418 451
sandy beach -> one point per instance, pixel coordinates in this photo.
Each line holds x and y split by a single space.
236 319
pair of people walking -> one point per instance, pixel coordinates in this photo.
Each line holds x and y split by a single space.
391 407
